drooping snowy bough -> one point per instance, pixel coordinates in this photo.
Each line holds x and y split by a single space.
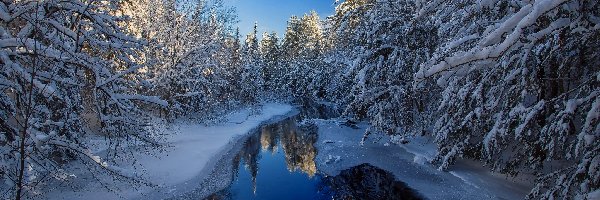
521 84
67 71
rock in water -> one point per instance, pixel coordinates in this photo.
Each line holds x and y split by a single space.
368 182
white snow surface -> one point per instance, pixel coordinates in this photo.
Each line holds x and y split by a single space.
193 148
410 164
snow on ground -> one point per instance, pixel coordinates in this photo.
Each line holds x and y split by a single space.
193 149
339 148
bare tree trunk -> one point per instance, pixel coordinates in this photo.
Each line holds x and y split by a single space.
22 163
28 108
25 126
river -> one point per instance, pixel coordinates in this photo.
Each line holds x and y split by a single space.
278 162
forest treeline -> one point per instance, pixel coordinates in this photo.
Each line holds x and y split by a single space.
512 84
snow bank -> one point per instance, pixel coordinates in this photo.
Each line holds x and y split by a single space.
409 164
192 149
472 172
195 145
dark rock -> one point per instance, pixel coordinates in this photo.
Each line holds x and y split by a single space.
368 182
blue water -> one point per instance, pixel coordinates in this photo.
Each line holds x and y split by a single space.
277 162
274 180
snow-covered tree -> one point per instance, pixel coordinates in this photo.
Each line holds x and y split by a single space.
301 50
291 41
68 71
270 55
379 50
190 52
520 82
511 83
310 35
252 75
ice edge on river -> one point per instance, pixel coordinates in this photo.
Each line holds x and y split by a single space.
339 148
192 155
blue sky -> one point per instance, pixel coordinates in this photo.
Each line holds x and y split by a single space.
272 15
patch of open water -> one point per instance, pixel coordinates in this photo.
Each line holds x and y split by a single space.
278 162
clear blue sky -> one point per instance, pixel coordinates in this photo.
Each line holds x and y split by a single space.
272 15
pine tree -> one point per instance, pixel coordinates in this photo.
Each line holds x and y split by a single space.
291 42
311 36
269 50
301 48
252 75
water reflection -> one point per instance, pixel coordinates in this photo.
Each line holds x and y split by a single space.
278 161
250 155
299 148
268 140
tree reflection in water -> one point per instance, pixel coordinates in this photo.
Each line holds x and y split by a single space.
298 153
250 155
286 145
297 144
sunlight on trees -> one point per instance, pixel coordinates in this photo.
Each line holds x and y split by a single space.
514 85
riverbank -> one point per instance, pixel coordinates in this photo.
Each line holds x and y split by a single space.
191 152
339 148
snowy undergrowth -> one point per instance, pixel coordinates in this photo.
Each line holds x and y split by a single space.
339 148
191 148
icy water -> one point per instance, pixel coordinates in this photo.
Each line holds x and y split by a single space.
278 162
